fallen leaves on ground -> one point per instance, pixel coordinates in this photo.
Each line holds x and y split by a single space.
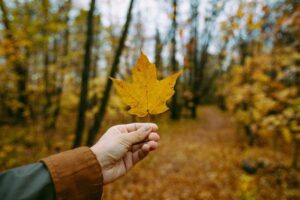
201 160
196 160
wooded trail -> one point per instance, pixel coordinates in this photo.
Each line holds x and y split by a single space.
196 159
201 159
184 167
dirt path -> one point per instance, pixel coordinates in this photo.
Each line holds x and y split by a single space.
196 160
190 162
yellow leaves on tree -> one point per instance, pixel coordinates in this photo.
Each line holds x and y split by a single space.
145 94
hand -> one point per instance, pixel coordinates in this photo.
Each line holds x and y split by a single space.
122 146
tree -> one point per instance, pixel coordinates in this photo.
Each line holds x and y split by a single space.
64 62
99 116
194 76
201 56
14 56
262 96
46 51
174 108
158 53
85 77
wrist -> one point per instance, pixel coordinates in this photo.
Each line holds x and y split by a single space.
95 151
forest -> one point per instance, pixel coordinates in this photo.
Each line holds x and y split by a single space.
232 130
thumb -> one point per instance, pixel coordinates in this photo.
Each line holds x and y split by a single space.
138 135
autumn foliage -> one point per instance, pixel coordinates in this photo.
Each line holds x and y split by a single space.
263 92
220 77
146 95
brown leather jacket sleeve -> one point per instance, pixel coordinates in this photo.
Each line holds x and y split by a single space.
76 174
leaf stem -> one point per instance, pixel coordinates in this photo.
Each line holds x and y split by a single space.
148 118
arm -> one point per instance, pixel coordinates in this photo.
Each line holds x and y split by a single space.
81 173
27 182
73 174
76 174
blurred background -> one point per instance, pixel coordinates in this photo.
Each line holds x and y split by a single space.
233 128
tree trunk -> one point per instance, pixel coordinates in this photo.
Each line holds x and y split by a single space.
45 7
198 84
195 60
296 152
19 68
99 116
61 80
174 104
46 83
85 77
158 56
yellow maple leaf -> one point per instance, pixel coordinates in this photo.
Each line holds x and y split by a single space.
145 94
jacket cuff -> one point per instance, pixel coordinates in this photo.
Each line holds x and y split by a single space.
76 174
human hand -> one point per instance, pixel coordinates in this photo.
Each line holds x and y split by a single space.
122 146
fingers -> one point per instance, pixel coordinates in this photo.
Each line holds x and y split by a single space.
142 138
135 126
142 152
136 147
138 135
152 146
128 160
151 137
154 136
139 155
147 147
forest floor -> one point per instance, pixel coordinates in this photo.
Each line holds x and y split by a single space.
196 159
202 160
